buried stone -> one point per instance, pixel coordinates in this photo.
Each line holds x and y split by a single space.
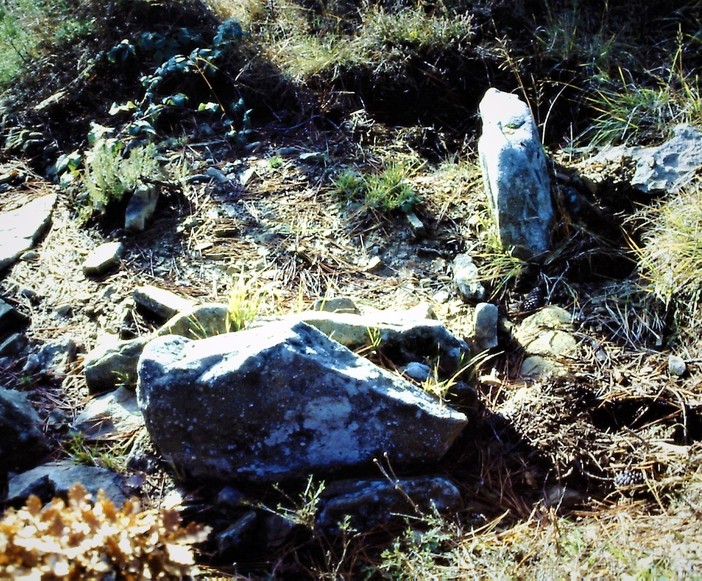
282 401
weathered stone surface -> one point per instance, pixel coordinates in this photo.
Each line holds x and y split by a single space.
112 363
485 326
403 341
56 478
370 503
336 305
115 414
515 173
22 441
198 322
141 207
538 367
162 303
547 339
20 229
665 168
467 279
104 258
279 402
53 358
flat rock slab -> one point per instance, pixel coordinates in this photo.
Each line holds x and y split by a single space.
280 402
56 478
664 168
20 229
103 259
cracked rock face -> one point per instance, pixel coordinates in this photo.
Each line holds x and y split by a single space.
515 174
280 402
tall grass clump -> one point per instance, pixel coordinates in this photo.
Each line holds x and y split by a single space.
671 258
628 111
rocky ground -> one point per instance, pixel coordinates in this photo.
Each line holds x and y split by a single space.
611 431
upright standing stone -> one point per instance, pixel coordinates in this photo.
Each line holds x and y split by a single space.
515 174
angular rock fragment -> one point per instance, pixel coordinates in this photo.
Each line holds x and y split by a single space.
374 502
103 259
22 441
20 229
282 401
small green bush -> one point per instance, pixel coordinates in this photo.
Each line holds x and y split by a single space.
109 174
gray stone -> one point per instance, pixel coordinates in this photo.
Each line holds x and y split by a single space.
56 478
104 258
337 305
112 363
112 415
198 322
676 365
485 326
13 345
55 357
515 174
547 339
238 536
417 371
280 402
370 503
416 225
22 442
20 229
11 320
162 303
403 340
538 367
141 207
665 168
467 279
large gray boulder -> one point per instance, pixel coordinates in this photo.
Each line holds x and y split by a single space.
282 401
515 173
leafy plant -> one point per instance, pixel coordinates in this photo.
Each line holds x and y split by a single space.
201 61
110 172
82 539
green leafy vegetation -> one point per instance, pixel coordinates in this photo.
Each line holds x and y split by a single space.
110 173
26 27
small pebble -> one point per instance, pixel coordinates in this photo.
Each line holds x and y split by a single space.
676 365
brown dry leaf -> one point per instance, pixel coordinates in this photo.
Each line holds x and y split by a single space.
170 519
34 505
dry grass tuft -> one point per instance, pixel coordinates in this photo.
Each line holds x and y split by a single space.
79 538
